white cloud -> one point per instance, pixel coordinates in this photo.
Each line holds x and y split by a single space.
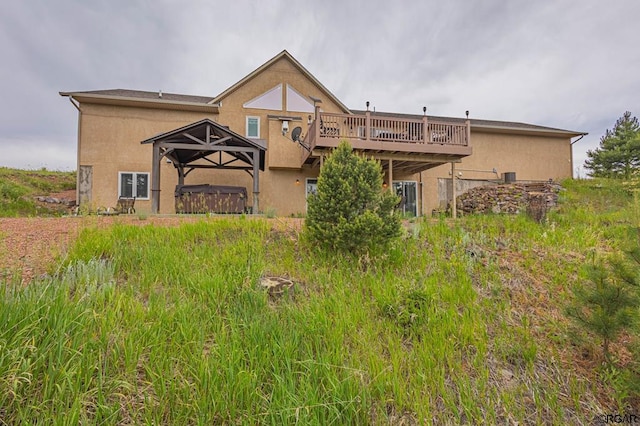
38 153
558 63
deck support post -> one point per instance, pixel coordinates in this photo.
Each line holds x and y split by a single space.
453 191
390 174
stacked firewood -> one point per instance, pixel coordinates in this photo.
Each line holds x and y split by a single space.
510 199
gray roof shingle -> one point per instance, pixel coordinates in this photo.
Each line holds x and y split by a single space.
139 94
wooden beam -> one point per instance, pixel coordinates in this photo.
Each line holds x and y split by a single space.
221 140
155 180
256 183
166 152
206 147
193 138
400 147
233 160
219 166
424 158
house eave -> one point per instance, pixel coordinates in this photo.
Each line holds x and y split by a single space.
483 128
141 102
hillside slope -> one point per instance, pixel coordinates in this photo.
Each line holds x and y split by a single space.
19 188
460 322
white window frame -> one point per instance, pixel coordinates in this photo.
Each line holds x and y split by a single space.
135 187
246 130
307 183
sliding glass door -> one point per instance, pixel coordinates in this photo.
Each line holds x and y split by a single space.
408 191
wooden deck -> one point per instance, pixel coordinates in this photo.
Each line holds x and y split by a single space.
416 144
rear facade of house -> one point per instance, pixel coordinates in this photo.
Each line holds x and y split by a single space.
282 107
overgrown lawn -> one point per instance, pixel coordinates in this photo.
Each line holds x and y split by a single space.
459 322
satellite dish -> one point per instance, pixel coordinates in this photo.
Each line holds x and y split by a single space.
295 134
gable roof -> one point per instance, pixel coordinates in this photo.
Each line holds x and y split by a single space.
298 65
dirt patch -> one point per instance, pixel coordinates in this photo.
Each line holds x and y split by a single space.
28 246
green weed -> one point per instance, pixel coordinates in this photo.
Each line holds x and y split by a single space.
461 322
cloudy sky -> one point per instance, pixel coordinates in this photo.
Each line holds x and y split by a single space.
572 64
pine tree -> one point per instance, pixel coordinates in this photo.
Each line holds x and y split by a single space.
618 155
350 210
607 303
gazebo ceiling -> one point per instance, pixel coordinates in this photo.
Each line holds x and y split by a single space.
202 139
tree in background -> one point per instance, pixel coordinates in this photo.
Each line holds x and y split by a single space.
351 211
618 155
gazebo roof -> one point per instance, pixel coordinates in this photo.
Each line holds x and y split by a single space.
203 138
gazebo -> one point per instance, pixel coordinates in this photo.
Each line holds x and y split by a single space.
205 144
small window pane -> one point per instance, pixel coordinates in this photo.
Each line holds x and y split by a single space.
252 127
312 186
142 186
126 185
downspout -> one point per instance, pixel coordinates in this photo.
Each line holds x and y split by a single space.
571 151
74 104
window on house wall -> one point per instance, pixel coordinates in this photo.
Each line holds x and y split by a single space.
311 189
133 184
253 127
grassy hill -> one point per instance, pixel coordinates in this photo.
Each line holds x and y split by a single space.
19 187
460 322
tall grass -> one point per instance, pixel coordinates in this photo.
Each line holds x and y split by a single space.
457 323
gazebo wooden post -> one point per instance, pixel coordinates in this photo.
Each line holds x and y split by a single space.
256 183
155 179
180 174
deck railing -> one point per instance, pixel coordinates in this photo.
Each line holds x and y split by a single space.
374 127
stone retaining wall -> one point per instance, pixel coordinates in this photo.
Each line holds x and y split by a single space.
510 199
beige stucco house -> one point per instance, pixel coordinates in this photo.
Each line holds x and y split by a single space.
269 134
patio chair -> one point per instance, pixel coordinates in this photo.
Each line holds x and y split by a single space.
125 205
